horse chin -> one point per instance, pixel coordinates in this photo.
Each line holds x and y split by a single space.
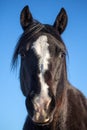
43 123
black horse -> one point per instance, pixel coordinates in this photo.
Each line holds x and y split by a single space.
51 101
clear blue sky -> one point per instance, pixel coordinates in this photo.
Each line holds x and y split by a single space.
12 102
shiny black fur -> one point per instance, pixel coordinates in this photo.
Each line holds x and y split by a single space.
69 104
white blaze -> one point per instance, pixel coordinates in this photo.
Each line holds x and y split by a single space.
40 47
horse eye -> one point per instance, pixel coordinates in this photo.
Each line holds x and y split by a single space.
61 55
22 52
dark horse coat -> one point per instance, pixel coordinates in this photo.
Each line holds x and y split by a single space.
51 101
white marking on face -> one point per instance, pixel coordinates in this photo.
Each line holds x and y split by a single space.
40 47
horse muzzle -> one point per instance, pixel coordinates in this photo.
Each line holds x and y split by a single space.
40 117
41 113
40 109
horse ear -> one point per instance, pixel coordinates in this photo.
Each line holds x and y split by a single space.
25 17
61 21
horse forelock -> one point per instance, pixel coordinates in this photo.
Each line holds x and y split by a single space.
33 29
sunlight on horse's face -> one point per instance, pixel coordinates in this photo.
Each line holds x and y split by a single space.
43 66
40 101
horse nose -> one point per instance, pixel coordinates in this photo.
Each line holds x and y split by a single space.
40 117
41 112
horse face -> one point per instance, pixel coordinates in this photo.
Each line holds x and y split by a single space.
38 78
39 73
42 69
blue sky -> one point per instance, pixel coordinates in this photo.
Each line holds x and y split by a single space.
12 102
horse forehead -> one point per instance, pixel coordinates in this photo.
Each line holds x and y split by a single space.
41 49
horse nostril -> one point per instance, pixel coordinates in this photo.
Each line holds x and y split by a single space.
47 104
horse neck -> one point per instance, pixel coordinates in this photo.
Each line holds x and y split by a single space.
61 102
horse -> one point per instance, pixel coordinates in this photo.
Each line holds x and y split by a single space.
51 101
